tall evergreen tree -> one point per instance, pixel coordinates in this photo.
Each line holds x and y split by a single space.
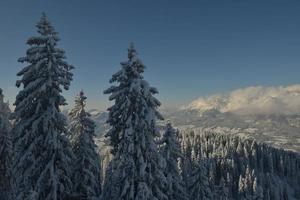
87 173
198 183
186 164
223 193
171 151
257 190
43 155
6 182
137 166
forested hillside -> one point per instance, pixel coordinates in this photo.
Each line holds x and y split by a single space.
234 168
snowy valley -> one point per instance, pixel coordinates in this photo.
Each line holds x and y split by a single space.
268 124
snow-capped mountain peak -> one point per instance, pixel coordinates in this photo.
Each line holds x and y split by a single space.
252 100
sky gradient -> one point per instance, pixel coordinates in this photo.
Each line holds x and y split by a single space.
190 48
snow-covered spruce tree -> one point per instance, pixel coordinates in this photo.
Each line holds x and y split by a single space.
137 166
6 182
171 151
87 167
223 193
257 190
107 187
186 164
198 183
43 154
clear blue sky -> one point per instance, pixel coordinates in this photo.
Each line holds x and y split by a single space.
190 48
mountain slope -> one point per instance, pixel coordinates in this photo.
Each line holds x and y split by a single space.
268 114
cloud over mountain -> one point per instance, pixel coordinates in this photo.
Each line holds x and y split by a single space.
253 100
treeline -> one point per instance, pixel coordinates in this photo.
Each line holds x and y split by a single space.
44 156
235 168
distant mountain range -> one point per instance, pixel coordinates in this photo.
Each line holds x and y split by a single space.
279 130
267 114
252 100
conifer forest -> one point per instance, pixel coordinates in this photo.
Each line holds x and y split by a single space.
139 151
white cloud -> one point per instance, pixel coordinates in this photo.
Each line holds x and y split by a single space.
253 100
